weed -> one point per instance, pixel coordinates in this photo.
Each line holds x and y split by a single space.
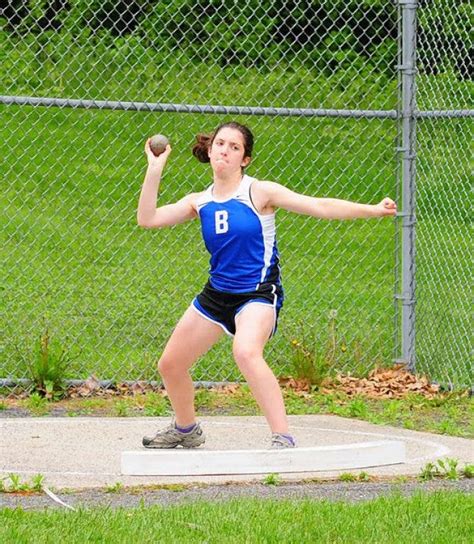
176 488
122 408
16 484
3 405
449 427
37 482
204 399
155 405
364 477
37 404
448 468
468 471
309 362
347 477
428 472
114 488
47 364
444 468
409 424
358 408
272 479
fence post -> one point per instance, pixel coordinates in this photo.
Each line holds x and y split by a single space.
407 150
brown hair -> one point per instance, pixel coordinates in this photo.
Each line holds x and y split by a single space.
204 141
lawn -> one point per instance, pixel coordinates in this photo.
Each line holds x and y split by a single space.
441 517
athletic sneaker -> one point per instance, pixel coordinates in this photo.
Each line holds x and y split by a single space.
280 441
171 437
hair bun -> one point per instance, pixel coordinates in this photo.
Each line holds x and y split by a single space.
201 147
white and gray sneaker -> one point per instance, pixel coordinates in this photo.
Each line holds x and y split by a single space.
171 437
280 441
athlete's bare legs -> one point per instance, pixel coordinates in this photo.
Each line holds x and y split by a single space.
193 336
253 328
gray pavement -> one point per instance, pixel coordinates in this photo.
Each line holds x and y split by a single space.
84 452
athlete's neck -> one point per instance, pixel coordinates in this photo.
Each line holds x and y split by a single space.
226 186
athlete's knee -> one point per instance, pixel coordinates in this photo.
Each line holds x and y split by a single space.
246 355
168 367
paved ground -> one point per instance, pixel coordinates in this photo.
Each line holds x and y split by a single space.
80 453
128 498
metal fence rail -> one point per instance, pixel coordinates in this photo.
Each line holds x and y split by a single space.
332 92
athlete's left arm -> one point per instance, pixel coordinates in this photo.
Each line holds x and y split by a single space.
274 195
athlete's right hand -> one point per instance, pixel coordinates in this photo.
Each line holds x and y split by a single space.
153 160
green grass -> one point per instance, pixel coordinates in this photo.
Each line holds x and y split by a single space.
441 517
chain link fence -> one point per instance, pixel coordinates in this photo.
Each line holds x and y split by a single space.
85 82
444 189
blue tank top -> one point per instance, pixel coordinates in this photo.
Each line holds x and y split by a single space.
242 242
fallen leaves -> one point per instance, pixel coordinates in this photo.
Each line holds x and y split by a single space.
389 383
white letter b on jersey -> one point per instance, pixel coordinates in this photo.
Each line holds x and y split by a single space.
222 224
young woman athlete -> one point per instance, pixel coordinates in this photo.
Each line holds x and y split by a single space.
244 294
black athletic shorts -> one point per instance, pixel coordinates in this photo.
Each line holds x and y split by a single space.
222 307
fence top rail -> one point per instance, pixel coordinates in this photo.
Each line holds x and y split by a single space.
212 109
194 108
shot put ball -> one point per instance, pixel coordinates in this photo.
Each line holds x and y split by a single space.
158 144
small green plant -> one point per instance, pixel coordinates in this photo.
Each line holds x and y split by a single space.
364 477
16 484
449 427
309 362
3 405
47 363
37 404
155 405
428 472
444 468
358 408
37 482
347 477
204 399
122 408
114 488
468 471
448 468
409 424
272 479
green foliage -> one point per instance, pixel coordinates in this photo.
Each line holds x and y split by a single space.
14 484
333 36
272 479
468 471
358 408
114 488
309 361
48 365
122 408
443 468
347 477
448 468
37 403
156 405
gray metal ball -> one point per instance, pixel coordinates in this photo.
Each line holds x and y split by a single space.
158 144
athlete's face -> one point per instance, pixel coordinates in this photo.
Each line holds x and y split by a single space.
227 151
